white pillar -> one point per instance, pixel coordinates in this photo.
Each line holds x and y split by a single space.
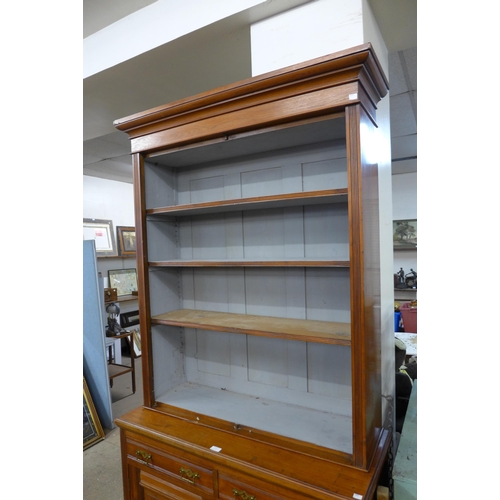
311 30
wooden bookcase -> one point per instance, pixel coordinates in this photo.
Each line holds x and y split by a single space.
259 288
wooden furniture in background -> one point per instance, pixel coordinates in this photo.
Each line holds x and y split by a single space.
259 289
123 298
118 369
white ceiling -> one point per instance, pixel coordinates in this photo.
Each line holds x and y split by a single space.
174 71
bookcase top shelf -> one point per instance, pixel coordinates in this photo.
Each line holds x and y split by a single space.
327 332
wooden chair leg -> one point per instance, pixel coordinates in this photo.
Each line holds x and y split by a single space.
130 339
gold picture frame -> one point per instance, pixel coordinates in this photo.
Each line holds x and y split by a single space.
92 429
126 241
136 341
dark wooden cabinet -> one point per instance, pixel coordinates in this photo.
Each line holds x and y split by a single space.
259 288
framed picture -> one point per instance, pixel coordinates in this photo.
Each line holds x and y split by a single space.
92 429
136 337
126 241
124 280
101 231
404 234
128 319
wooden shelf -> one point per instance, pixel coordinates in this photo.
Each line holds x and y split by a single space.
251 263
115 370
116 256
326 332
254 203
123 298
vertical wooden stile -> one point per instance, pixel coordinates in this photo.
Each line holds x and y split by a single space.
372 378
365 289
142 277
357 282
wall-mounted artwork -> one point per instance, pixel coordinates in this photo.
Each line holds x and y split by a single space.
404 234
137 342
101 231
126 241
124 280
127 320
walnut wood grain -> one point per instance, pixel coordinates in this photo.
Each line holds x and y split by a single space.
251 263
288 473
143 277
254 203
365 287
327 332
356 68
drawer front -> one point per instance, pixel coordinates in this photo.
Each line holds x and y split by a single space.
175 470
233 489
157 489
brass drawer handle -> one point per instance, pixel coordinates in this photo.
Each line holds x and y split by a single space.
188 475
243 494
146 456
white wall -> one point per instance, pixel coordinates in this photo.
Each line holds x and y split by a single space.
404 196
404 206
109 200
106 199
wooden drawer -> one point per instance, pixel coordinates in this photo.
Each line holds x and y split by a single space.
175 470
157 489
232 489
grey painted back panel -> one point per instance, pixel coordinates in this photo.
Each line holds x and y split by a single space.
314 377
307 169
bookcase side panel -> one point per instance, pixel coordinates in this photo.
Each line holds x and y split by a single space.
165 289
160 185
365 294
163 240
168 358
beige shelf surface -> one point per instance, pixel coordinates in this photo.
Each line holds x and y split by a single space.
327 332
